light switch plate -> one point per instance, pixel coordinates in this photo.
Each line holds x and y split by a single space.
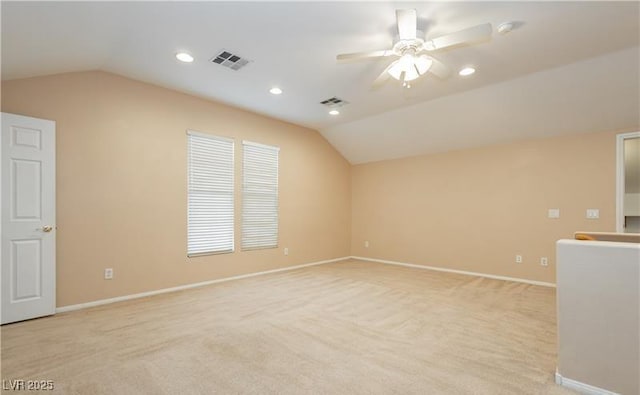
553 213
593 213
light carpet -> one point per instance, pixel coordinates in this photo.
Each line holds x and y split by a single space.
343 328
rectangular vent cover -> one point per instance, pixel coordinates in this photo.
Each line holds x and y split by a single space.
334 102
230 60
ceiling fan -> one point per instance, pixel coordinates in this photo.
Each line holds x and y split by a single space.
410 46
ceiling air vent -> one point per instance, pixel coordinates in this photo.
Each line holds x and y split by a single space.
334 102
230 60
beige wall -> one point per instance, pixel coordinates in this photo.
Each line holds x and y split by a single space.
121 192
121 184
476 209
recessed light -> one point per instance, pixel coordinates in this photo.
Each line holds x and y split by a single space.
275 91
334 112
184 57
467 71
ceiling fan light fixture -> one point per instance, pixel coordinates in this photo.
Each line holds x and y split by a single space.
334 112
409 67
275 91
395 70
423 63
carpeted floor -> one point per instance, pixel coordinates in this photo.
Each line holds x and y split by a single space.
343 328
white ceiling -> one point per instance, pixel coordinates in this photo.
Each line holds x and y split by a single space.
569 67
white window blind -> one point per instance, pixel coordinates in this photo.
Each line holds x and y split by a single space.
259 196
210 190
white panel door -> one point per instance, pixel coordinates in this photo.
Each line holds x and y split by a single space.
28 230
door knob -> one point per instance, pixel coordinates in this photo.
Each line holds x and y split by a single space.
47 228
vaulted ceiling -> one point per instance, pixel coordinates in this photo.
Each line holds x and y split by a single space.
567 67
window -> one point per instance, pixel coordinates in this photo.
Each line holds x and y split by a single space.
210 190
259 196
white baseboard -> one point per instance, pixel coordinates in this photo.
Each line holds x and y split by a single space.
441 269
188 286
581 387
201 284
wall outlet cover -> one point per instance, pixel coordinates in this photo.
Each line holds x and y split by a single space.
593 213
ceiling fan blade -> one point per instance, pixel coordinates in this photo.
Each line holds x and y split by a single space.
382 78
407 21
364 55
472 34
439 69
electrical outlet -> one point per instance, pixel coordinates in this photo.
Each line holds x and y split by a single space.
553 213
108 274
366 244
286 250
518 258
544 261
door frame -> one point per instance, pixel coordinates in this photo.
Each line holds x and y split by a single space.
620 138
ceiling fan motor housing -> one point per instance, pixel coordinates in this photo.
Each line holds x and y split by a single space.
411 46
